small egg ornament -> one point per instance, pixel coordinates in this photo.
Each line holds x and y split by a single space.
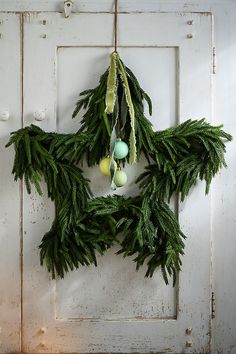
104 166
120 178
121 150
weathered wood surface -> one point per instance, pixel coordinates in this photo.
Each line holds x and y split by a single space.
112 308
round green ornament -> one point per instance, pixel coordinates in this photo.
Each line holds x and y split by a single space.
120 178
121 150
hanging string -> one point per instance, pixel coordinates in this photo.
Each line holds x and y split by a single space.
115 23
115 104
115 45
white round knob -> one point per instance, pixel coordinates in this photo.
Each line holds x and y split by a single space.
4 116
39 115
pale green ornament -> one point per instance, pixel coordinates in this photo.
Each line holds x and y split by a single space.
120 178
121 150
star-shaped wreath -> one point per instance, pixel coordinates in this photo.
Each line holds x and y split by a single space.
114 130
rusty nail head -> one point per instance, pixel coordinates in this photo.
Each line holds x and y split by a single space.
189 35
189 330
189 343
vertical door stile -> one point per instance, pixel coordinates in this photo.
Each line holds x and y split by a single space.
10 212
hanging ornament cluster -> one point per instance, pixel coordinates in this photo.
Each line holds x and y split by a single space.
118 106
121 151
114 129
120 177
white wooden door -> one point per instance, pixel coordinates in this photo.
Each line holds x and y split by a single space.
10 215
113 308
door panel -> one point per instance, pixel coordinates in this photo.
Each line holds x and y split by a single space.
136 297
112 308
10 230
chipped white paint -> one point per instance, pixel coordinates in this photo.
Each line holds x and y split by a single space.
113 308
9 190
4 116
108 5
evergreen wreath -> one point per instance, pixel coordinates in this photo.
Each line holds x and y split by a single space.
85 226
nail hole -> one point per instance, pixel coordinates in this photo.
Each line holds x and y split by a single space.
189 330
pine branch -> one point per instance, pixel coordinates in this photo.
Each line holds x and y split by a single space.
78 249
84 227
98 123
66 185
151 232
194 150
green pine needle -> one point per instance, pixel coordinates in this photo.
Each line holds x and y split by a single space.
85 226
